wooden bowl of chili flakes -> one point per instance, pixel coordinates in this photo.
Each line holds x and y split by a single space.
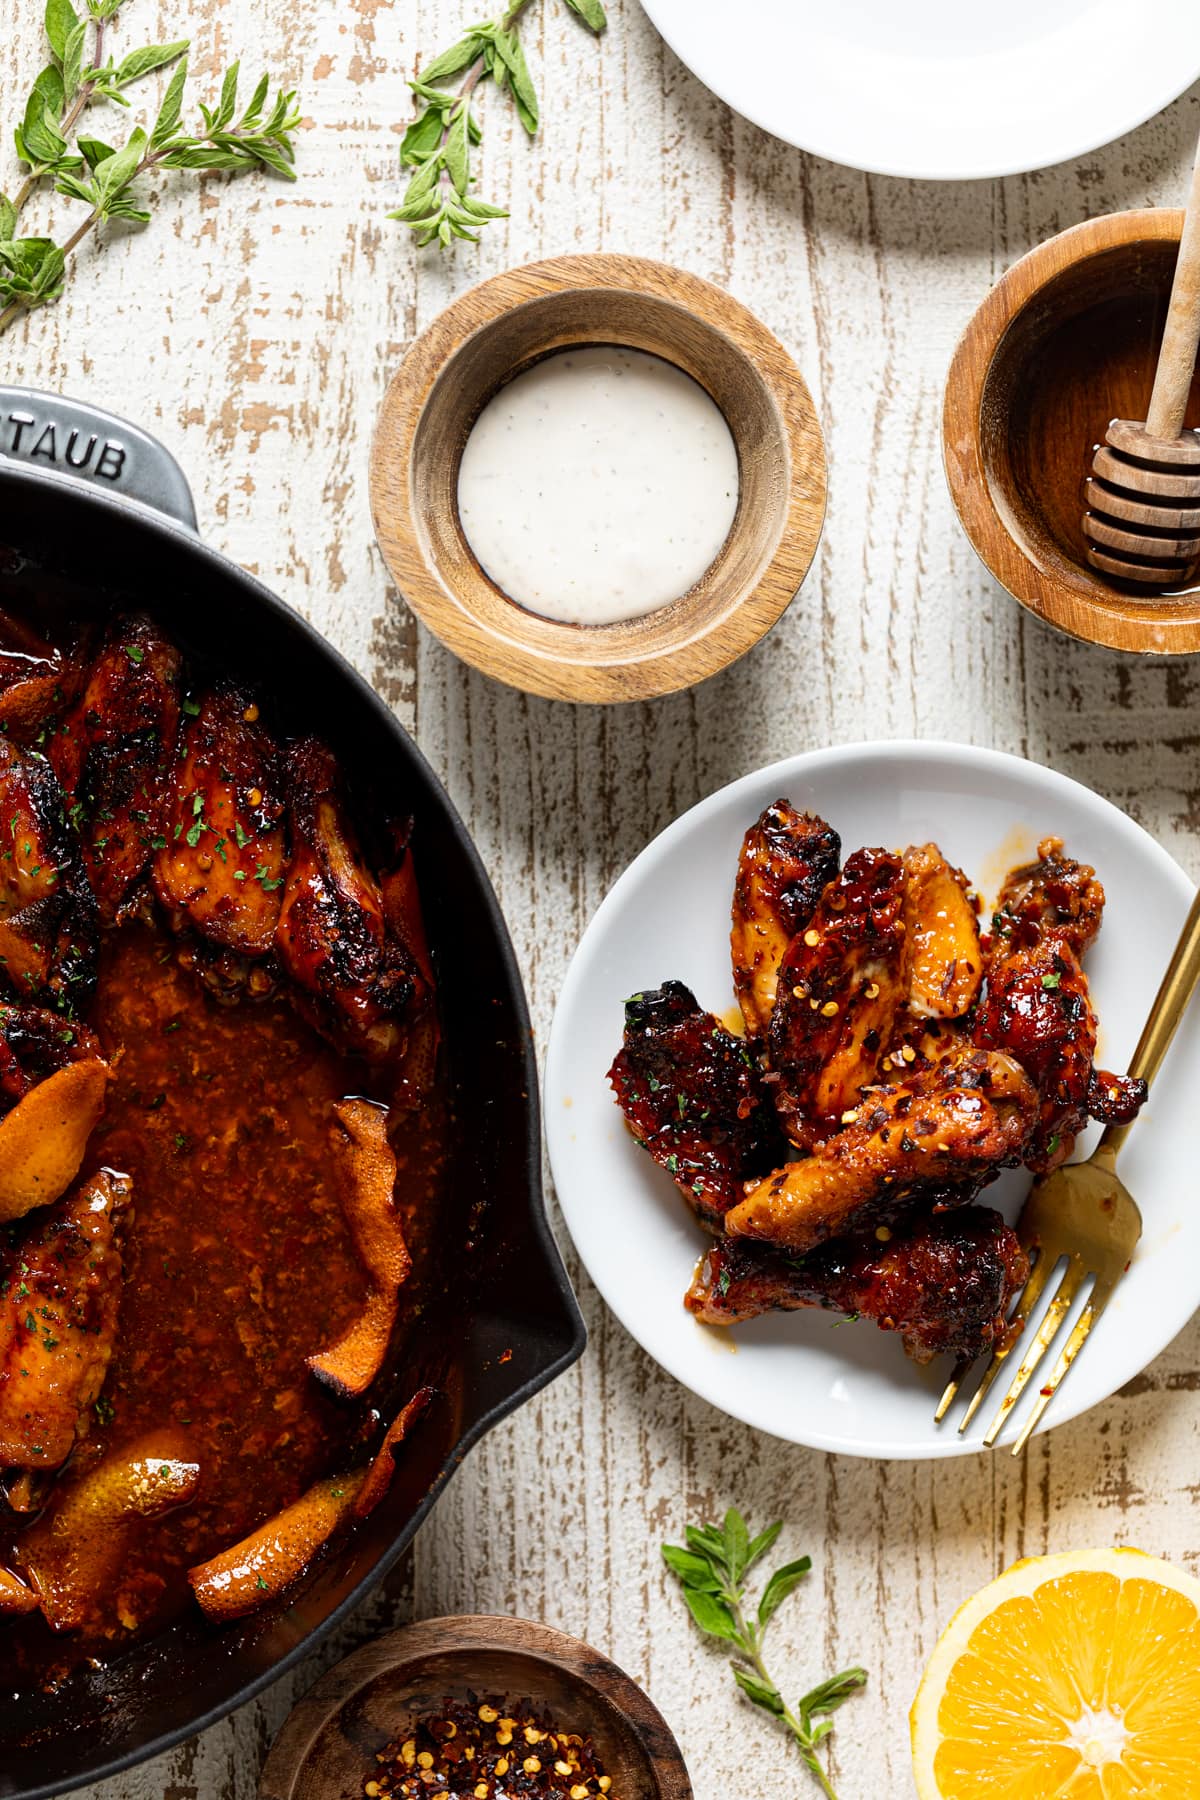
475 1706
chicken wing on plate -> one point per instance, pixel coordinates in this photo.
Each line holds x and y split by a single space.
354 979
1037 1005
945 960
47 910
221 868
692 1095
944 1281
787 859
841 985
941 1135
113 754
60 1280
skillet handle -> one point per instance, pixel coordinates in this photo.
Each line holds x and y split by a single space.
82 443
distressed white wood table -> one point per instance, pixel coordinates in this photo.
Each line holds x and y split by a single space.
254 328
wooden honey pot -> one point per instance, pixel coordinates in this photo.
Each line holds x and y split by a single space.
1066 342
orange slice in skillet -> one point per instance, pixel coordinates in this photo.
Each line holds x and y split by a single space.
1073 1676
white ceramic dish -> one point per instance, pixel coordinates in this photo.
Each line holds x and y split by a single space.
939 90
804 1376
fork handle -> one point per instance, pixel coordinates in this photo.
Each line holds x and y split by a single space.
1170 1004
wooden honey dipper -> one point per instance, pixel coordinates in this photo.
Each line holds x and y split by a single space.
1143 495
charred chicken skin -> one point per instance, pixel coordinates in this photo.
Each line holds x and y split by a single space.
693 1097
943 1135
36 1043
113 753
220 868
841 984
47 910
945 1282
352 977
60 1277
787 860
1037 1005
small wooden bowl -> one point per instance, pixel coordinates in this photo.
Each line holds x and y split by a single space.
494 332
1025 404
327 1747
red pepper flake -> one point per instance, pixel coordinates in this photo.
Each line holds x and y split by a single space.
484 1750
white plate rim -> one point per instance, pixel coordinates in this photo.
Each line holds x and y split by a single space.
800 766
707 73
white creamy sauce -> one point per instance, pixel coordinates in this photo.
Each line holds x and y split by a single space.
599 485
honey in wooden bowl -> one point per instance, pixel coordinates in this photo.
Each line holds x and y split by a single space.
1066 342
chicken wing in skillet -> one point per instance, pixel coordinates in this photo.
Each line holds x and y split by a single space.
693 1097
47 911
787 859
221 863
60 1279
36 681
1037 1006
944 1281
841 985
113 755
940 1136
352 978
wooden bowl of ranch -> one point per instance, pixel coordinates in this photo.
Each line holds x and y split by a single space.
329 1744
1065 342
720 478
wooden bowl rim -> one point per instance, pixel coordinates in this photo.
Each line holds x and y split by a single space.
695 654
342 1684
1086 609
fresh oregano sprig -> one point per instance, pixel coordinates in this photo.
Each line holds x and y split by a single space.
438 203
713 1569
53 147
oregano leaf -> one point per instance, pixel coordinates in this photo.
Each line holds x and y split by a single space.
60 21
783 1582
143 62
591 12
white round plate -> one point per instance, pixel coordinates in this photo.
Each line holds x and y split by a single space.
805 1376
939 90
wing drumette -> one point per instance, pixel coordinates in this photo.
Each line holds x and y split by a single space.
1037 1006
354 980
221 868
113 755
47 910
786 861
942 1135
692 1095
841 984
944 1281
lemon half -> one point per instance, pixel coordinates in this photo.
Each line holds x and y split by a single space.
1075 1676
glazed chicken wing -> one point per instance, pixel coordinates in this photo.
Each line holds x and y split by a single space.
944 1281
1052 897
787 859
841 984
221 867
354 980
693 1097
1037 1006
942 1135
60 1276
36 681
47 910
113 754
945 960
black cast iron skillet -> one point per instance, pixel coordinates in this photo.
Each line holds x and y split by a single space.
80 491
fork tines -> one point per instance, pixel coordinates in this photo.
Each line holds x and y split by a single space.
1076 1273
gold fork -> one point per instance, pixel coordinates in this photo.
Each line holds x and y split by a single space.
1084 1213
